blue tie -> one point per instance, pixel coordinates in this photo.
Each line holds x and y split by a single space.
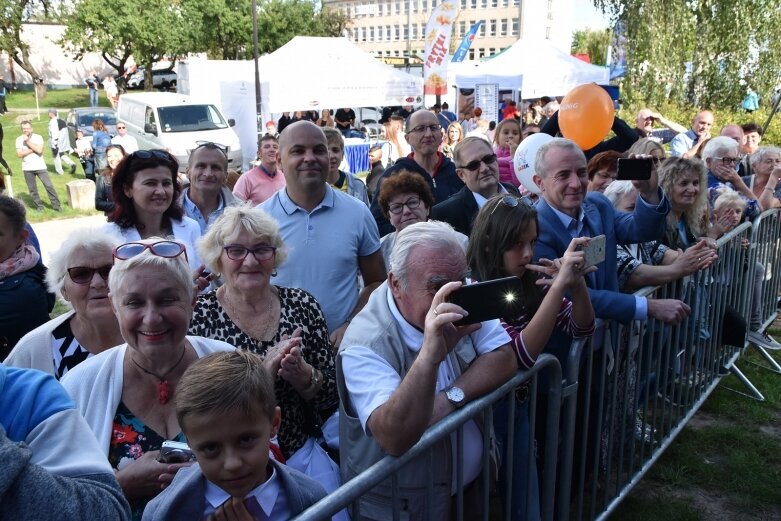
253 507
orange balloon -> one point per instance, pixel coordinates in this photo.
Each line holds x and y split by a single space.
586 115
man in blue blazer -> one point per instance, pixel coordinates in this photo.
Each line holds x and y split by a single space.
565 211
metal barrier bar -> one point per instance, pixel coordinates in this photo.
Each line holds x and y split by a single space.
351 491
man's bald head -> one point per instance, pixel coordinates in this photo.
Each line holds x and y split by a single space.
734 131
290 131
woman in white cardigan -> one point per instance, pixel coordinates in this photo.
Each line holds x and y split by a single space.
125 393
147 196
78 274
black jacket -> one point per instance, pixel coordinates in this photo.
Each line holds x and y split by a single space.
625 136
460 210
444 184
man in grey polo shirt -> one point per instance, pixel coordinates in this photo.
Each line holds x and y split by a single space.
331 236
206 197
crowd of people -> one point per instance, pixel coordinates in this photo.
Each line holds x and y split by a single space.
239 352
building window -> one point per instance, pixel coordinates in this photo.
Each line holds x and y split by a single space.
371 34
484 4
379 9
515 27
547 33
550 15
398 7
492 28
473 4
504 28
463 4
379 34
406 32
396 53
482 30
494 3
396 33
414 31
462 28
471 53
425 6
550 5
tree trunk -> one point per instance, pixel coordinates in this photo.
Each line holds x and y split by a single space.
148 80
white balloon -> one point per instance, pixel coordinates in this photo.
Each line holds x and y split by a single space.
523 161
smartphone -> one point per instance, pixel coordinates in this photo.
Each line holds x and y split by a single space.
594 252
488 300
634 169
175 452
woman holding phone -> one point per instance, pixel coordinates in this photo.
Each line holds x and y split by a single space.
502 245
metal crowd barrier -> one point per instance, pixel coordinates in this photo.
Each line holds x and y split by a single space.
766 252
547 366
624 403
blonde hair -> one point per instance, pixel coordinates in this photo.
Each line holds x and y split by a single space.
225 381
696 217
228 226
729 197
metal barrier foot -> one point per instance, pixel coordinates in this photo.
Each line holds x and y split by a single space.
774 367
754 392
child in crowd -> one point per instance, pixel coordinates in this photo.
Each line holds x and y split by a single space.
506 141
226 407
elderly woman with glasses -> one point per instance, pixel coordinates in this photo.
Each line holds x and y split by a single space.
766 171
103 199
283 325
404 199
78 273
125 393
722 157
502 245
147 203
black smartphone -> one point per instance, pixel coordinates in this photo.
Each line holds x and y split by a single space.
488 300
634 169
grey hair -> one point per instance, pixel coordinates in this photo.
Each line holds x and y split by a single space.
758 156
228 226
618 189
540 167
729 196
645 146
433 234
177 268
550 108
465 142
718 144
96 242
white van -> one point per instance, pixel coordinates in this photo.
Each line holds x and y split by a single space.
176 123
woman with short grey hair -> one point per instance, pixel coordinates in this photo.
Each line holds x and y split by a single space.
766 170
78 273
125 393
722 157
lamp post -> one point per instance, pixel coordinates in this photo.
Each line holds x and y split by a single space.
255 57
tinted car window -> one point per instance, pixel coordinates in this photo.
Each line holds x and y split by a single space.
189 118
108 118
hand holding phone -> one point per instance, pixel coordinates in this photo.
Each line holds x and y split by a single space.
634 169
175 452
488 300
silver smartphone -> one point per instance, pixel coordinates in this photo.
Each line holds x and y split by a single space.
175 452
594 252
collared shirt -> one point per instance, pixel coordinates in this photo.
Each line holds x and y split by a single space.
257 186
682 143
575 228
371 381
270 496
324 246
192 211
480 200
127 142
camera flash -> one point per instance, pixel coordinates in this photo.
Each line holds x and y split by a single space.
509 297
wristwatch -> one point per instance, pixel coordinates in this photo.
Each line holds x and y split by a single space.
456 396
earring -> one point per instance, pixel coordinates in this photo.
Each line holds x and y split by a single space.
274 272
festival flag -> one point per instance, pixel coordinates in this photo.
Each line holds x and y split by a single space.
435 54
466 43
617 52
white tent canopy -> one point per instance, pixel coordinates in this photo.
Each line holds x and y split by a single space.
536 67
310 73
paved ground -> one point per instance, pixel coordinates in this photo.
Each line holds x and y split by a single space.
52 234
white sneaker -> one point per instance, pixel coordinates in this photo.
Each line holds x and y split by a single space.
763 340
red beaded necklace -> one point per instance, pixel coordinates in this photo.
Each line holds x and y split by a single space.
163 386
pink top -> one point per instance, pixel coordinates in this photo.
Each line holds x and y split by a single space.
256 185
506 170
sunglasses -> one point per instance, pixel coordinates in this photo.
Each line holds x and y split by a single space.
210 145
511 202
237 252
83 274
167 249
121 128
150 154
489 159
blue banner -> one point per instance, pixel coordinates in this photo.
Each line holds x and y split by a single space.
460 53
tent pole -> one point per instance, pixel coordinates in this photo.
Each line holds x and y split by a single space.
255 57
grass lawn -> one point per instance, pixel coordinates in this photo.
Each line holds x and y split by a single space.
725 465
11 131
60 99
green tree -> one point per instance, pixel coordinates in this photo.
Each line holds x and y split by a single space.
118 29
280 20
15 13
701 52
221 28
592 42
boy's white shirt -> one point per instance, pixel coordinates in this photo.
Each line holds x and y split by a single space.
269 495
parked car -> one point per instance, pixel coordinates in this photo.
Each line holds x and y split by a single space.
161 79
81 119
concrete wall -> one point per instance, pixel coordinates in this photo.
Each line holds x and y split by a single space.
58 68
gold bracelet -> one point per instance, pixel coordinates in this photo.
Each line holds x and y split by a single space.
315 382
